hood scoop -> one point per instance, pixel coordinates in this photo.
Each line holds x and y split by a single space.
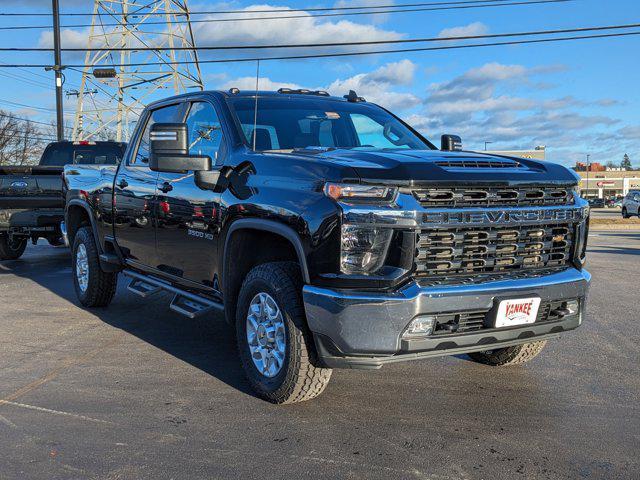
478 163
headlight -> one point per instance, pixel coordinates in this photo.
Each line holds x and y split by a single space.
360 193
363 250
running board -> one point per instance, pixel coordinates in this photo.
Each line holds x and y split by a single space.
185 303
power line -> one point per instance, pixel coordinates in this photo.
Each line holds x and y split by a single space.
11 115
340 44
355 54
278 10
284 17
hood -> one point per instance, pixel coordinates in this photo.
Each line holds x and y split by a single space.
429 167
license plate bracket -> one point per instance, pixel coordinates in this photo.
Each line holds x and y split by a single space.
516 311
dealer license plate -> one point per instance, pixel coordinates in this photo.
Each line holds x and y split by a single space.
517 312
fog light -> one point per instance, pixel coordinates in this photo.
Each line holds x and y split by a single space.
420 326
573 306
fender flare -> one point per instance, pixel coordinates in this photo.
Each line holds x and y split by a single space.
271 226
76 202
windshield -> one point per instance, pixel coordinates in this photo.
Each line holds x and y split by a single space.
287 124
58 155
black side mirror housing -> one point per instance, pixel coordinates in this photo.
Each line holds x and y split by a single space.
169 150
451 143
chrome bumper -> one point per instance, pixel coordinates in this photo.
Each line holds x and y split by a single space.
364 330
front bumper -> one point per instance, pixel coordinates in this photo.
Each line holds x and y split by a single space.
364 330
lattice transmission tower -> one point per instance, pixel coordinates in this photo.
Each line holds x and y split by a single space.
111 95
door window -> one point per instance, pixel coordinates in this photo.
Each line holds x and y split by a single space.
205 131
168 114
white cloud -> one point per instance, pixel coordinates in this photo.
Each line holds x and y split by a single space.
473 29
306 29
489 103
68 38
249 83
377 86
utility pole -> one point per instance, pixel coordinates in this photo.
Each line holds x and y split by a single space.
588 168
57 69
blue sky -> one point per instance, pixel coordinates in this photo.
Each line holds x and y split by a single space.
574 97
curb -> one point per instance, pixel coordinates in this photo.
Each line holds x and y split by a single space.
613 226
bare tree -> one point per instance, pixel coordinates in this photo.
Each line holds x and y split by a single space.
21 141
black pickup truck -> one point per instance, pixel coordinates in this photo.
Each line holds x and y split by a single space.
31 198
332 235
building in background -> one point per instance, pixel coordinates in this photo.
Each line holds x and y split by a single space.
537 153
607 184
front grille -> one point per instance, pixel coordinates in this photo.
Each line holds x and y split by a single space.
473 321
458 197
478 163
463 251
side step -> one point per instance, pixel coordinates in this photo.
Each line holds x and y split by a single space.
192 309
184 303
142 288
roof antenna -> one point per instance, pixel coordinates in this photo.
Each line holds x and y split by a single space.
255 112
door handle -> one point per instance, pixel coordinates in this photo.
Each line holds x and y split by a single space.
123 183
166 187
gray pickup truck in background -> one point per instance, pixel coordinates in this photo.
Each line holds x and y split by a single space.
31 198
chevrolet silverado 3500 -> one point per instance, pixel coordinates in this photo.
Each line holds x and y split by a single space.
332 235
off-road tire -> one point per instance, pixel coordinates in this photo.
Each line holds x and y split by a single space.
12 250
300 378
503 357
625 214
101 285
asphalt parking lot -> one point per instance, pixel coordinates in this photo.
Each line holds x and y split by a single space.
137 392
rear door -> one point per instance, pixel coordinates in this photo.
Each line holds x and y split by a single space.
134 193
188 217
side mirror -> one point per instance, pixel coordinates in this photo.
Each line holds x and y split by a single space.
169 151
451 143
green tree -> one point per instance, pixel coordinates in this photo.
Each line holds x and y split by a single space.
626 163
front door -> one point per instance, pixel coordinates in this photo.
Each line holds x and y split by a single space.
188 217
134 194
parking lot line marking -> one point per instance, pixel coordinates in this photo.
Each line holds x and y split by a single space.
54 412
8 422
69 362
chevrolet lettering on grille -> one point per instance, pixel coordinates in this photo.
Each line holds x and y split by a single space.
503 217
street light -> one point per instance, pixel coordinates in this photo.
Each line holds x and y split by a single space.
485 145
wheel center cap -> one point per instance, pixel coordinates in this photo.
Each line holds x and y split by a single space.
262 335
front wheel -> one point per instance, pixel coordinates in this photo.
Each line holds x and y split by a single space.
503 357
625 214
94 287
275 345
12 248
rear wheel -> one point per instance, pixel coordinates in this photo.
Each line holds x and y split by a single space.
94 287
12 248
275 345
625 214
502 357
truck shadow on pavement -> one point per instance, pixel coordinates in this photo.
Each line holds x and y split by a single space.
208 343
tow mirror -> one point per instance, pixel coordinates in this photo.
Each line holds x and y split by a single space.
169 150
451 143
